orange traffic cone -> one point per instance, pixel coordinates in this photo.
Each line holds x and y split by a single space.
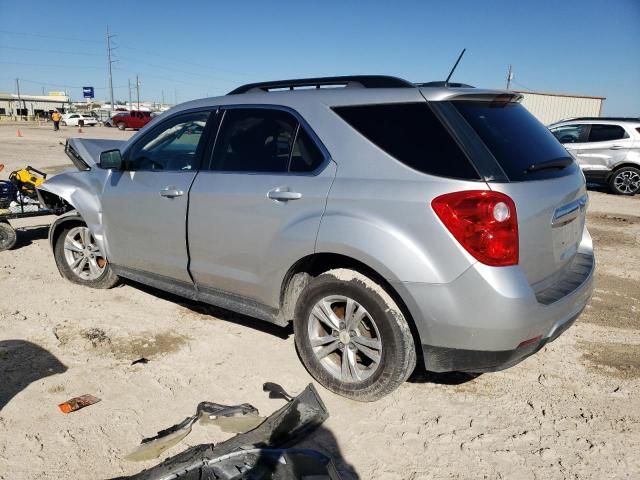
18 133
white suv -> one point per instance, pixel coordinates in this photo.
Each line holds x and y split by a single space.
607 150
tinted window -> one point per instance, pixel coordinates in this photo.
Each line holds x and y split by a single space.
255 140
306 156
515 138
603 133
412 134
173 145
569 133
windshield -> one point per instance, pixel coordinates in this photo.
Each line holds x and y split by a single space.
517 140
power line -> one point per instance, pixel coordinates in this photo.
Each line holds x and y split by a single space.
65 52
49 36
51 66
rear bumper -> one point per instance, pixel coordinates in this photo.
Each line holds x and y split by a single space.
441 359
479 321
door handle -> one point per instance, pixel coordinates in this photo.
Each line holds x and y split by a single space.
283 194
616 147
171 192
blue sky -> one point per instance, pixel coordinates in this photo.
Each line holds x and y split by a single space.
198 48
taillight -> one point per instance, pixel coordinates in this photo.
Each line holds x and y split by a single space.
484 222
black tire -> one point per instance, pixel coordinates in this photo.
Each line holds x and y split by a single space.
107 279
64 124
122 126
398 354
625 181
8 236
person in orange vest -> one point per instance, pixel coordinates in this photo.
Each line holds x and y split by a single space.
55 116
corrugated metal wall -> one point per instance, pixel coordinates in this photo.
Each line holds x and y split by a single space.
549 108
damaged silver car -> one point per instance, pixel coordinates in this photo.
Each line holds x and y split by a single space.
388 221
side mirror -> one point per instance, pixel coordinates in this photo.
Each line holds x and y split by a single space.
111 160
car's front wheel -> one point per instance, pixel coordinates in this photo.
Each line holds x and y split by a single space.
352 337
80 260
64 124
625 181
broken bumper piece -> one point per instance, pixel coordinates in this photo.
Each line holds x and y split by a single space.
257 454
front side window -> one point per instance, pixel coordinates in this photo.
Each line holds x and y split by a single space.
172 146
264 140
569 133
604 133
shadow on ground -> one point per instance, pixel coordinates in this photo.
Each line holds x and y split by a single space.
22 363
217 312
27 235
420 375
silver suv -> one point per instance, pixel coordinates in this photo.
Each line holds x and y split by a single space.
607 150
392 223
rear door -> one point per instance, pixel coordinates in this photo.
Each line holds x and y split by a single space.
607 145
543 180
145 204
258 207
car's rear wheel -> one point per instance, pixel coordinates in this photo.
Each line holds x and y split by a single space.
352 337
625 181
8 236
80 260
122 125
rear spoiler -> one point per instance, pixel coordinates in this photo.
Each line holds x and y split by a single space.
498 97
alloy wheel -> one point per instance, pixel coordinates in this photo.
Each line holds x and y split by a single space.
627 181
83 255
345 338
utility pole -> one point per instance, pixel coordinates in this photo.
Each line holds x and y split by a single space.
509 77
109 61
130 104
162 105
18 88
175 96
138 91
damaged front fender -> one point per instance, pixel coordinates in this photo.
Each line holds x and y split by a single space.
82 191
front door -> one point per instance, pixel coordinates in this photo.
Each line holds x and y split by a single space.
257 209
145 204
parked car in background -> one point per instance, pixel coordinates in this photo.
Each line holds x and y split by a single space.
134 119
606 149
74 119
390 222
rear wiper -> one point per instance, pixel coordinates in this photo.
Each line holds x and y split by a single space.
558 163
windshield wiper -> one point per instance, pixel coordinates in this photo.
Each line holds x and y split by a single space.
558 163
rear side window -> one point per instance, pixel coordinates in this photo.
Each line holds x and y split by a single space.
516 139
413 135
604 133
264 140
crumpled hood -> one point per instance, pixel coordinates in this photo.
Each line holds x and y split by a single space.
88 150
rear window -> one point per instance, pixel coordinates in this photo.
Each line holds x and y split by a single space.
516 139
413 135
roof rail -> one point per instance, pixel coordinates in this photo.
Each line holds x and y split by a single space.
619 119
442 83
362 81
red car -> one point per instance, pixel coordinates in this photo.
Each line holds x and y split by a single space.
133 119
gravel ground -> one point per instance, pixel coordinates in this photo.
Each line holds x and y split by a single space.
570 411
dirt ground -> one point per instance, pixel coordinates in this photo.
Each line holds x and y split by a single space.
570 411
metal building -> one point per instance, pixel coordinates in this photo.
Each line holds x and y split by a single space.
30 106
551 107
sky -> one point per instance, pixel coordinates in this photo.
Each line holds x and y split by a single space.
187 50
